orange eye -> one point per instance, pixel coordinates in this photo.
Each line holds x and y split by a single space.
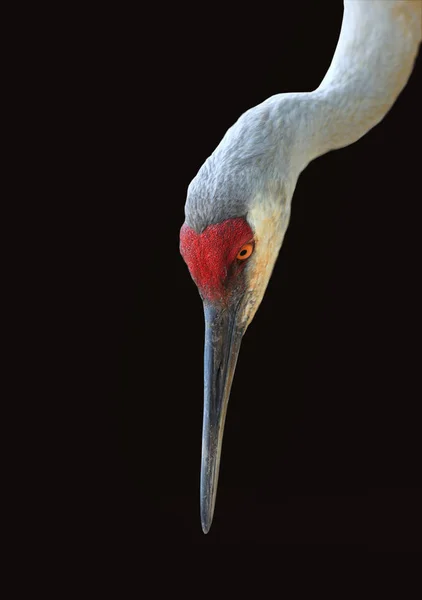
245 252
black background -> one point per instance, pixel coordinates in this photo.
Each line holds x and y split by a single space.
322 438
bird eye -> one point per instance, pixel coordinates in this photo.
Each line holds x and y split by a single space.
245 251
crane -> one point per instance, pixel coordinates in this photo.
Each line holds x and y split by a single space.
238 205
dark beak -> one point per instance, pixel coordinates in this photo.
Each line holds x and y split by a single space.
223 337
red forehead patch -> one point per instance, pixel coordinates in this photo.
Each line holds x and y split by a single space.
209 254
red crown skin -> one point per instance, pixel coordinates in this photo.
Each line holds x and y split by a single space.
211 256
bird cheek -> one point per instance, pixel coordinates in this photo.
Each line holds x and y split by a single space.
238 280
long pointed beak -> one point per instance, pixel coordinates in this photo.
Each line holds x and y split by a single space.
223 337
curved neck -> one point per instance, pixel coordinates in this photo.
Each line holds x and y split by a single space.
270 144
372 63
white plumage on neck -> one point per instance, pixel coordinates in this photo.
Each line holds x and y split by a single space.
373 60
372 63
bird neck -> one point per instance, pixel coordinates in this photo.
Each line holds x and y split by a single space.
372 63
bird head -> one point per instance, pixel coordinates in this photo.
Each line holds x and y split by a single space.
236 214
231 263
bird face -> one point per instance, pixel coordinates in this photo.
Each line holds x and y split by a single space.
218 259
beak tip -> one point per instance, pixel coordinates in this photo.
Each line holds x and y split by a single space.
206 526
206 516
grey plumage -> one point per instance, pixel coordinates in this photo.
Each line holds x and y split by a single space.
272 143
242 165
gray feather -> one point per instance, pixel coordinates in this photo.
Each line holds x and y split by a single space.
244 161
